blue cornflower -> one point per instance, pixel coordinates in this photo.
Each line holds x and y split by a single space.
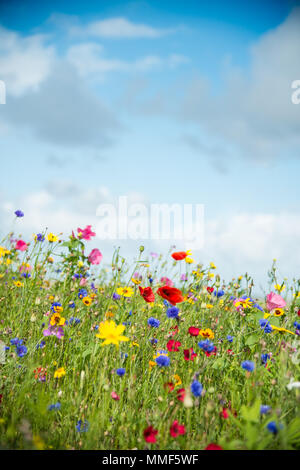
297 325
256 305
71 305
229 338
55 304
172 312
124 355
264 409
150 280
40 345
16 341
196 388
162 361
21 350
19 213
116 296
265 325
74 320
272 427
248 365
206 345
219 293
82 293
82 426
55 406
153 322
153 340
121 371
264 358
40 237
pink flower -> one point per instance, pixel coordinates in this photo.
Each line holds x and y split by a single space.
85 233
21 245
275 301
83 281
115 396
24 268
166 281
95 256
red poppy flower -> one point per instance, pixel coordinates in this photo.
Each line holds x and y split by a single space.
180 394
174 328
189 354
193 331
230 352
1 397
147 294
170 386
179 255
171 294
224 413
213 447
173 345
210 289
212 353
149 434
177 429
298 313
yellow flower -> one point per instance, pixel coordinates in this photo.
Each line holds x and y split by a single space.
52 238
282 330
212 266
152 364
87 301
245 303
111 333
177 380
60 372
209 306
189 260
210 275
136 281
38 442
207 333
278 312
125 291
279 287
3 251
57 320
109 315
58 308
80 264
18 283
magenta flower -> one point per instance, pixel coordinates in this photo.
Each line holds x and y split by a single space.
95 256
166 281
54 331
275 301
86 233
21 245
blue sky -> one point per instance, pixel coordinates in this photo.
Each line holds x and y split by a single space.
169 102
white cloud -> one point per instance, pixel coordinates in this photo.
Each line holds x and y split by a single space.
25 62
89 60
240 243
254 112
118 28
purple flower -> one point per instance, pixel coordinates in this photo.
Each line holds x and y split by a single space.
196 388
19 213
54 331
248 365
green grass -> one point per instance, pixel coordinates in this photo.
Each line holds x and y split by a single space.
84 392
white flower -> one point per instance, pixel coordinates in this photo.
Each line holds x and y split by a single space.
292 385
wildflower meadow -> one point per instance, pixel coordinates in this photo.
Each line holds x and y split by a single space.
158 352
